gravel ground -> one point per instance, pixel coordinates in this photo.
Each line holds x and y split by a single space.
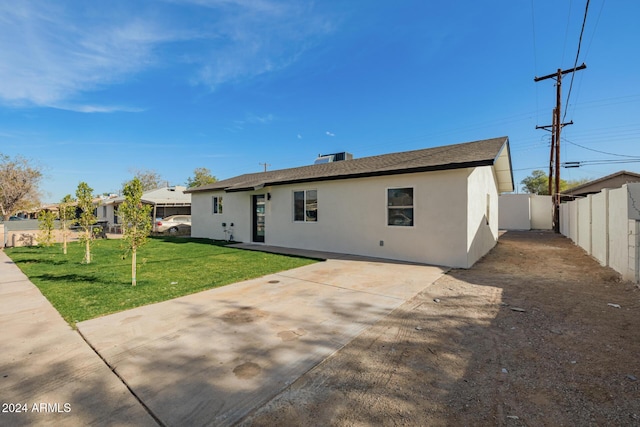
535 334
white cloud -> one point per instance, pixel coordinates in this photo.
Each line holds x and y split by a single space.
252 119
256 37
299 136
267 118
97 108
50 54
54 53
330 134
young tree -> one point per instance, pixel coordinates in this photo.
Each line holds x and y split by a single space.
84 194
67 214
19 182
136 222
201 176
46 223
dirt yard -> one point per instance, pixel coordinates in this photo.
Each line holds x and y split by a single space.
535 334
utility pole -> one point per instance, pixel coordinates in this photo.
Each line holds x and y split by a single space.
555 141
265 165
551 128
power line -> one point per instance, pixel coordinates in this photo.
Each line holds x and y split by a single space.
566 31
596 26
586 54
535 54
577 164
528 169
598 151
575 63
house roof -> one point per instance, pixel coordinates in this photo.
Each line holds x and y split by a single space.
488 152
166 196
614 180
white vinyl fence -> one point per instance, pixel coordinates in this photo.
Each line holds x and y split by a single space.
525 212
607 226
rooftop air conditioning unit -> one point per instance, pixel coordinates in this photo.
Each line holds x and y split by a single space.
335 157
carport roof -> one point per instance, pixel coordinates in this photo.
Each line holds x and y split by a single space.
165 196
488 152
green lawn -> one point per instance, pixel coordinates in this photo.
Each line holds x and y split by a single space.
167 268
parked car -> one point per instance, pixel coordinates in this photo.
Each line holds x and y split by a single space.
172 224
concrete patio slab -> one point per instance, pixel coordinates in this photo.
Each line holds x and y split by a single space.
48 374
211 358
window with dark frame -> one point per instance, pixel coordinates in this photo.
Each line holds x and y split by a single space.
400 207
216 205
305 206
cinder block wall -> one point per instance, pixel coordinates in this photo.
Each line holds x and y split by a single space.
606 226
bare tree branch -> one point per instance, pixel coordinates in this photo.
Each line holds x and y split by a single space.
19 181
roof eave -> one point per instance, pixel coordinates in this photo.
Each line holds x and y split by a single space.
503 169
433 168
204 188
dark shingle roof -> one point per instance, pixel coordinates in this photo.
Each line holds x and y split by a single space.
470 154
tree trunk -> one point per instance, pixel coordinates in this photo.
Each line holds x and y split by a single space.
87 250
63 228
133 267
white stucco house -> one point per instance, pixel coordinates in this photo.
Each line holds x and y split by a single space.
436 205
165 201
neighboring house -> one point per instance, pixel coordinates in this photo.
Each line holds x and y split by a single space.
615 180
436 205
166 201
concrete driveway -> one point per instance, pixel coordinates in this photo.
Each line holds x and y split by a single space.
211 358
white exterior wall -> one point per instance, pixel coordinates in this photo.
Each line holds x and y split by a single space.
99 213
236 210
515 212
541 212
109 216
482 213
352 217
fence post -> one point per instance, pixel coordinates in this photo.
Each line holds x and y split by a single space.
607 231
636 252
590 207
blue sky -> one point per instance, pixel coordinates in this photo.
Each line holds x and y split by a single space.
92 90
